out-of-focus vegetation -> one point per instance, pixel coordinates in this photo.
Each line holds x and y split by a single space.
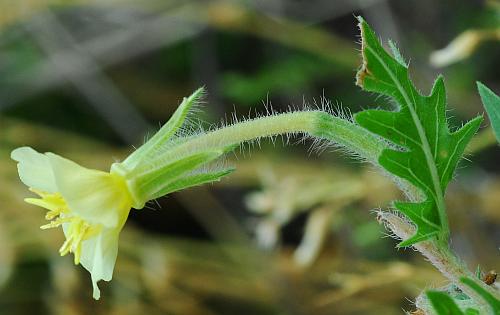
290 232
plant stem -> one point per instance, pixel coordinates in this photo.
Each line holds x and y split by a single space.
317 124
440 256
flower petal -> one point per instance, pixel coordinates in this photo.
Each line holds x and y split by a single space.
95 196
99 257
34 169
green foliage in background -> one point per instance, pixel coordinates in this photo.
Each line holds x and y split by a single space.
288 75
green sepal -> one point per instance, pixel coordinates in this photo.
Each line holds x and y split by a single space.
172 177
166 131
150 183
231 148
191 181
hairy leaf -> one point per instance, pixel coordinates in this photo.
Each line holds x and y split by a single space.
491 103
425 152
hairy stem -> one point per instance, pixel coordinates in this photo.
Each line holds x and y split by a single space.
317 124
441 257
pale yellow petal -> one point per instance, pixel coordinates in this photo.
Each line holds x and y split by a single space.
34 169
99 257
95 196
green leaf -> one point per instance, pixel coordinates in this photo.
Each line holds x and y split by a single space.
472 311
285 75
492 301
425 151
396 53
491 103
443 304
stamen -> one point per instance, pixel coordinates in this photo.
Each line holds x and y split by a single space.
77 231
66 246
56 223
78 243
77 254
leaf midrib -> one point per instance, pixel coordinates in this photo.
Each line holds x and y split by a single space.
425 147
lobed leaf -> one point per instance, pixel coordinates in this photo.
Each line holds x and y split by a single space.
425 152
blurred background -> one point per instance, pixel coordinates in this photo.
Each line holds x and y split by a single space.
291 231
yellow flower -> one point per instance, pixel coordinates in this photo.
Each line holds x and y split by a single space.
91 206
